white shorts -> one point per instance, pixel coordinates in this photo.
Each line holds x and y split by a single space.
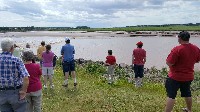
47 71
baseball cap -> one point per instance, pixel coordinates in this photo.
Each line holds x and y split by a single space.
67 38
139 43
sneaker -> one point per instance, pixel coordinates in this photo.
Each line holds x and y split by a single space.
185 110
52 86
45 87
65 85
75 84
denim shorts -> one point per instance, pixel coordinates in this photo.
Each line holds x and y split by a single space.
172 86
138 70
68 66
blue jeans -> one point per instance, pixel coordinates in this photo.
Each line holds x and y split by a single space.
9 101
138 70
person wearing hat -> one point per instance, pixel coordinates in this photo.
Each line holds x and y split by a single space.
17 51
181 62
68 51
138 61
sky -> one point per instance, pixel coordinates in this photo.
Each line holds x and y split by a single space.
97 13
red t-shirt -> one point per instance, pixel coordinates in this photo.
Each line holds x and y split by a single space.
183 58
139 55
34 79
110 59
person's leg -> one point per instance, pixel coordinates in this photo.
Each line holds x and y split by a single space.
45 81
141 74
109 74
72 69
188 101
186 93
37 101
4 107
66 72
17 105
30 103
112 73
172 87
136 75
50 76
44 72
169 104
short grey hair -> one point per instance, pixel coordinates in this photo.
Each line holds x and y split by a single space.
7 44
28 55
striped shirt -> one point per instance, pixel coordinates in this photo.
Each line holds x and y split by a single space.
12 70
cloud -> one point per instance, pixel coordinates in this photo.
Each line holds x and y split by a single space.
98 13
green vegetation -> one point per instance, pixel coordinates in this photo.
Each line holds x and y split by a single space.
149 28
85 28
93 94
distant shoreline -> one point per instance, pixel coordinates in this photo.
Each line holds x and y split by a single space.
76 34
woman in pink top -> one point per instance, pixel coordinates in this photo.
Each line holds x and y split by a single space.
34 91
47 66
139 59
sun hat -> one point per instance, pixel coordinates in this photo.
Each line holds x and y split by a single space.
139 43
67 38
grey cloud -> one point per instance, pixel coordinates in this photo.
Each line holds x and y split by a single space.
26 8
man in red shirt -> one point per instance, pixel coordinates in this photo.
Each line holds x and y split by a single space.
138 60
110 62
181 62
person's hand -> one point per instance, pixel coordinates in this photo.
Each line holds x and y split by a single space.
22 95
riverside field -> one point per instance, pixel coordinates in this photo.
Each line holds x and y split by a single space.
93 94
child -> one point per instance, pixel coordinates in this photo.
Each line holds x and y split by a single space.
110 62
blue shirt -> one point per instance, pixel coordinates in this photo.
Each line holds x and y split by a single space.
12 70
68 52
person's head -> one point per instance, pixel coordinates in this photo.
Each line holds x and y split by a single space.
15 46
28 45
7 44
183 36
48 47
139 44
67 40
28 55
43 43
109 52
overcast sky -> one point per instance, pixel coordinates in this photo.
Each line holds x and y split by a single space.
97 13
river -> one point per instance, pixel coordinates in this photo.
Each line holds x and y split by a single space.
89 48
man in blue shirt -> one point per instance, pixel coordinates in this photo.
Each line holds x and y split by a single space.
68 52
13 79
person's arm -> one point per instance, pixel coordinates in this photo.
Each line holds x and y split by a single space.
172 57
198 60
62 51
144 59
133 59
24 75
22 92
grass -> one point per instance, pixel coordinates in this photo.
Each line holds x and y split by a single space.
93 94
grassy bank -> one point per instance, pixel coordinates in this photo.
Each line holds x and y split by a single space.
93 94
149 28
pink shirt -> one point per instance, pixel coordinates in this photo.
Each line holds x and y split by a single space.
47 59
34 79
139 55
183 58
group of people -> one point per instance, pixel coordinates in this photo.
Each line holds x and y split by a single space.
181 62
20 78
20 84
